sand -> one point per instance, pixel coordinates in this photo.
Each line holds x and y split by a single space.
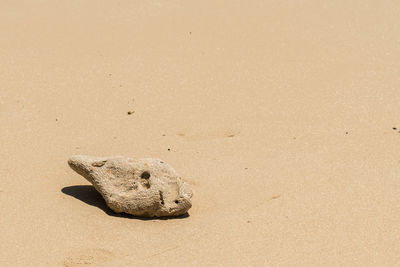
278 113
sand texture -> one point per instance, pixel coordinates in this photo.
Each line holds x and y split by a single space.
283 116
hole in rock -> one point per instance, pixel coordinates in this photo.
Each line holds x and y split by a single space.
145 175
99 163
161 197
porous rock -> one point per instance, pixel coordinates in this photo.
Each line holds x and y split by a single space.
143 187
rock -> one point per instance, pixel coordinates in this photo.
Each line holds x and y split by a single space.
142 187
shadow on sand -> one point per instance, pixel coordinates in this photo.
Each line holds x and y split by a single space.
90 196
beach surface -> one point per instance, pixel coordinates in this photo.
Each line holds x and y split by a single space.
283 116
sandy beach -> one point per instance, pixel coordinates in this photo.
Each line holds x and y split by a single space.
283 116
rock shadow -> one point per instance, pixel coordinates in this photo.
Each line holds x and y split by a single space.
89 195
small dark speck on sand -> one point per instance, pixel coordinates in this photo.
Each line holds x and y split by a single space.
169 149
130 112
163 135
246 168
347 132
248 221
56 119
394 128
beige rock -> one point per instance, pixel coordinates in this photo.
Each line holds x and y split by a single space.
142 187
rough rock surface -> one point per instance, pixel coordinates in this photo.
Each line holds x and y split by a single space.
142 187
